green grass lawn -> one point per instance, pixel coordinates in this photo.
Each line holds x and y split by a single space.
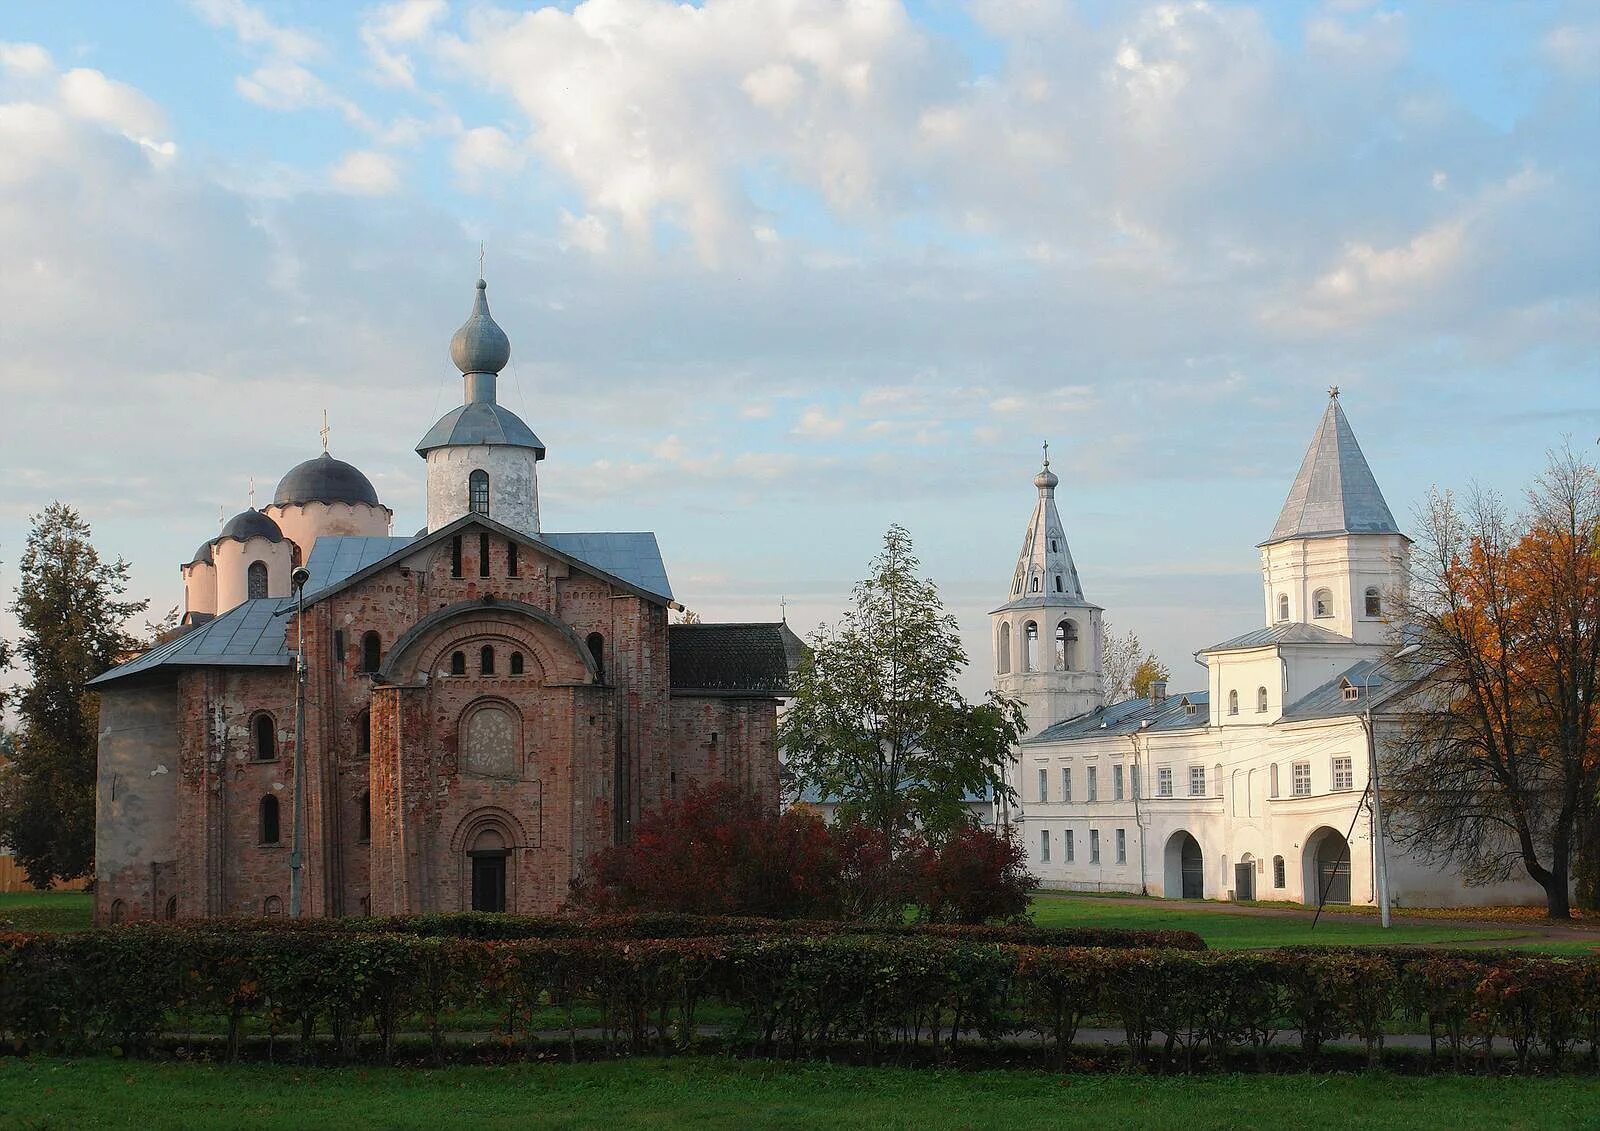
47 910
705 1093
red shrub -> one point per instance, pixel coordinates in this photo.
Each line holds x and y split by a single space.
976 876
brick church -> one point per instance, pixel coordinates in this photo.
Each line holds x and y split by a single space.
486 703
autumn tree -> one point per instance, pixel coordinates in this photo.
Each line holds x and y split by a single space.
1149 672
1498 764
876 722
71 616
1126 668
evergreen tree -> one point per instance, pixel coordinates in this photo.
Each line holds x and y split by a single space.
71 618
876 722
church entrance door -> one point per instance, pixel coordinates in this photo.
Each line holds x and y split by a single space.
488 881
1244 880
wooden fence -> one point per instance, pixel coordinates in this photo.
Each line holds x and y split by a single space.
14 879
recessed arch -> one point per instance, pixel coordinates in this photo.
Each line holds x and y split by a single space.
1002 651
407 653
1325 867
478 492
255 581
1030 647
489 738
263 737
1183 867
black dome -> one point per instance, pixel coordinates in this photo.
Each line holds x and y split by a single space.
250 524
324 480
202 556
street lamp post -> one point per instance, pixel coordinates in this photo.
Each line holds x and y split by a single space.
296 882
1382 853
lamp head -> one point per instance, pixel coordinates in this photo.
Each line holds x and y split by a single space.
299 577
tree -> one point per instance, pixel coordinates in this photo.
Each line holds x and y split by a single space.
1498 764
71 617
1123 662
1149 672
876 721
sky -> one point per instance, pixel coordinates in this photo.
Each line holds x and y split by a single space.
780 273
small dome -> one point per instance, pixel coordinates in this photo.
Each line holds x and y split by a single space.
480 346
1046 480
324 480
250 524
202 556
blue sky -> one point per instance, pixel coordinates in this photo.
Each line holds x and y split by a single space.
778 273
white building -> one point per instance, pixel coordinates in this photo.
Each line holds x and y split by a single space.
1248 788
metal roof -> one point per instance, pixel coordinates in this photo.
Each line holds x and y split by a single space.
324 480
249 635
250 524
480 422
750 659
1128 716
633 556
1045 573
1285 632
1328 701
1335 491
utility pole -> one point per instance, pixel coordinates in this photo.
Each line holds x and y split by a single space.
296 855
1381 849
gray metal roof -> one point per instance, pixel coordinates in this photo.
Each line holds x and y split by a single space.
324 480
1045 573
634 556
1128 717
1285 632
250 635
202 556
480 422
1328 701
480 346
1335 491
335 557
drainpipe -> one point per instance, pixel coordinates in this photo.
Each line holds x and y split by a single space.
1138 793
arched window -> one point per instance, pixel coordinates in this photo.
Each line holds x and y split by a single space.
364 733
511 558
272 907
119 911
1233 702
1219 779
1067 646
458 663
1374 603
268 820
516 663
171 911
1033 585
1002 651
1283 606
1058 583
264 734
255 580
1322 603
486 660
371 652
490 741
597 649
1277 872
1261 699
1052 545
1030 647
478 492
364 818
1272 779
1016 586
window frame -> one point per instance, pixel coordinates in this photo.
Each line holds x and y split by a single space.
1091 783
1322 604
269 804
254 571
1122 846
1044 846
256 734
1300 778
1164 781
1094 846
1197 781
1342 776
479 478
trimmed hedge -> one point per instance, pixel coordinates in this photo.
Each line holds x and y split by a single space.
790 994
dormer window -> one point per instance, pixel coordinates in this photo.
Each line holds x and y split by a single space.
1188 707
1351 691
1322 604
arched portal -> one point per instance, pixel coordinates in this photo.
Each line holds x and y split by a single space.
1325 862
488 855
1184 868
1244 877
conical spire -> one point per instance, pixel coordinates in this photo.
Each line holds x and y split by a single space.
1045 571
1335 492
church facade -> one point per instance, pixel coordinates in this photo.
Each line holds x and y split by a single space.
486 703
1253 786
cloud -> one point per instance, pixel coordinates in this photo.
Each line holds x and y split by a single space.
482 152
25 59
252 27
365 172
390 27
89 95
1574 49
816 423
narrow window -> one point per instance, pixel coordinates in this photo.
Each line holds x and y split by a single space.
1116 782
119 911
1052 545
486 660
1197 781
597 649
1278 877
1058 583
458 663
1033 585
1219 779
478 492
371 652
1066 841
255 581
1044 785
1233 702
1091 783
1272 779
1067 646
1322 604
483 555
172 908
1283 606
1066 783
364 733
1122 846
364 818
1030 647
1343 775
1044 846
1002 651
511 558
265 733
1094 846
1374 603
455 556
268 821
1261 700
1301 779
338 645
1163 781
516 663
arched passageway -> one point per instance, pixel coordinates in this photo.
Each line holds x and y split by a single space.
1184 868
1326 865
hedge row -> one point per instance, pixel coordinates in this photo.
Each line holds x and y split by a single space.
789 995
485 926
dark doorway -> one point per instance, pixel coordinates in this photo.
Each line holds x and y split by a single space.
1333 868
1194 869
488 881
1244 880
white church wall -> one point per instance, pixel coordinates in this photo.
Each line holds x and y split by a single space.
234 558
513 484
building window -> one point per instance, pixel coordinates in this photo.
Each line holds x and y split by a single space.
597 651
1233 702
371 652
255 581
1002 651
1094 846
364 819
1091 783
1066 783
364 733
1033 585
338 645
1283 606
272 907
1116 782
1278 877
486 660
267 823
119 912
1374 603
511 559
455 556
1351 691
1322 604
1058 583
1066 843
516 663
1163 781
1044 846
478 492
1122 846
1197 781
491 742
264 734
172 908
1053 546
1067 646
1044 785
1343 776
1030 647
1272 778
483 555
458 663
1261 700
1300 779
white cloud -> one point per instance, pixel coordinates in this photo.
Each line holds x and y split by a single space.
390 27
254 28
586 233
25 59
484 151
816 423
88 94
366 172
1574 48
